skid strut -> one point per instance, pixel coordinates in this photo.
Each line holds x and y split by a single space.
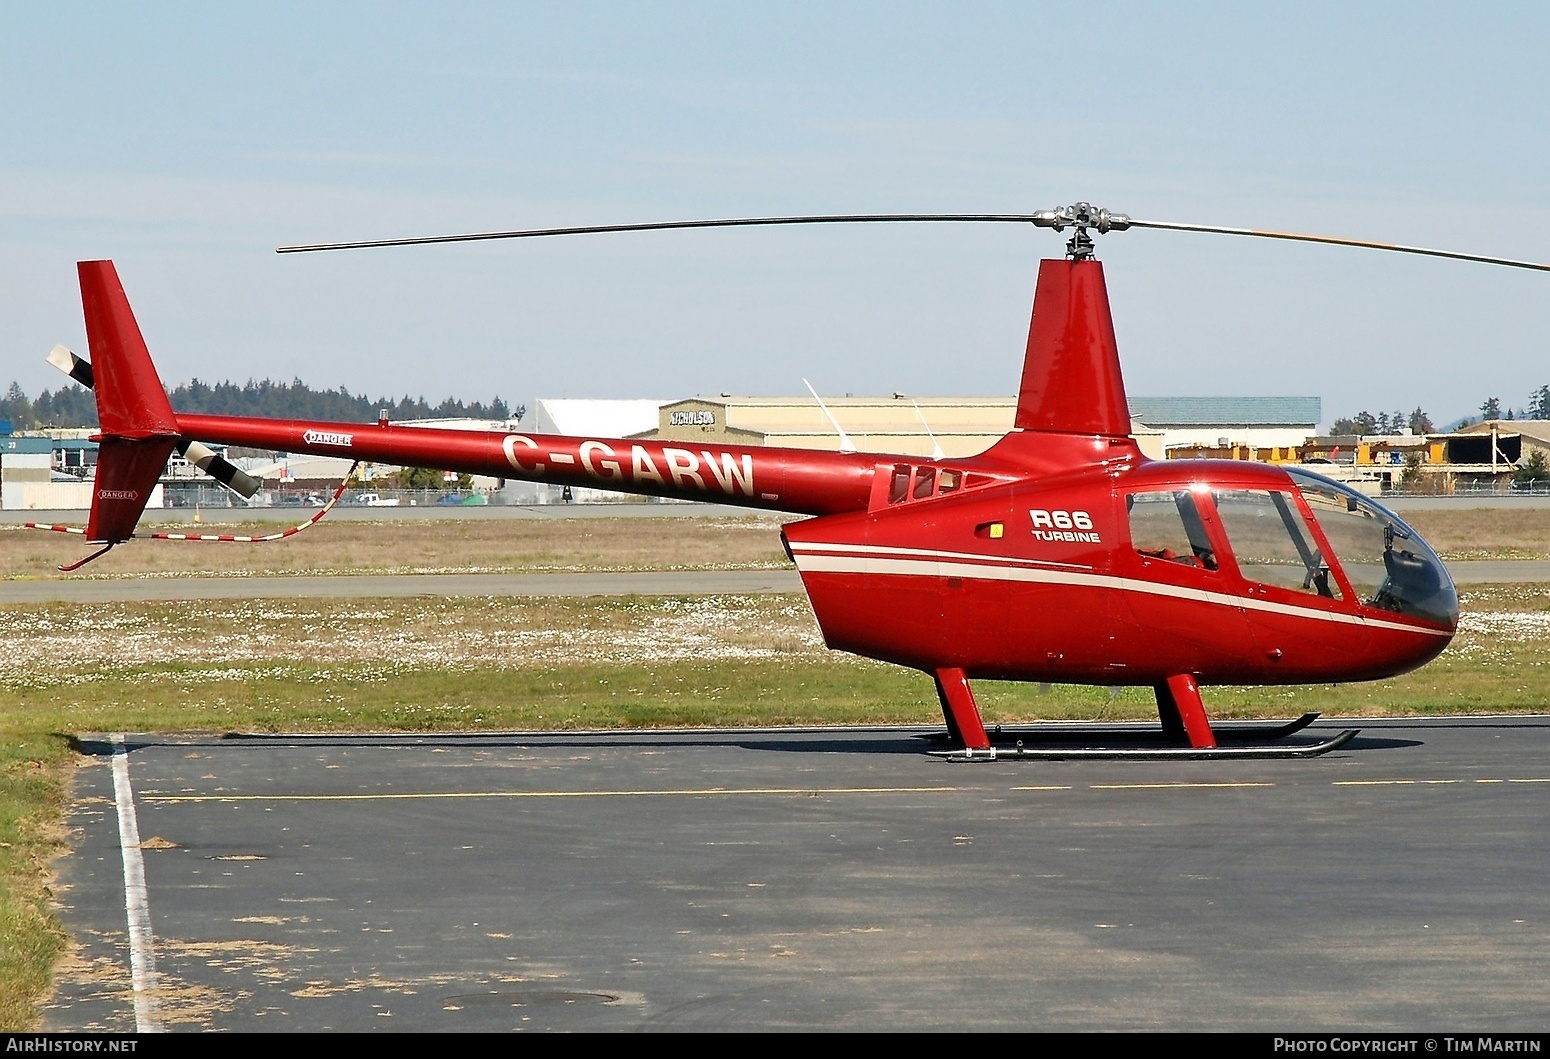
1183 714
959 709
1184 722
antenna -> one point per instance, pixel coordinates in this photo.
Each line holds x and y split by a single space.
845 443
936 449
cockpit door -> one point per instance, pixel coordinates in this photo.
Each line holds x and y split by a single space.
1175 609
1298 604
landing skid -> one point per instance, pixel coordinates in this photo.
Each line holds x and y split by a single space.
1154 752
1136 732
1082 732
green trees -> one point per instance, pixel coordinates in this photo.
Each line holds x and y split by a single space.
426 478
1419 422
1532 470
1365 422
1539 403
15 407
74 406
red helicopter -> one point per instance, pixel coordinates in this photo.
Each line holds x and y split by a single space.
1061 554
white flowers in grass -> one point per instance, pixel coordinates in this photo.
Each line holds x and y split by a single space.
1515 626
62 644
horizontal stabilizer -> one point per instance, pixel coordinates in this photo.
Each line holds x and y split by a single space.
127 472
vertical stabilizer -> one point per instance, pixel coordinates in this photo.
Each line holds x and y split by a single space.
139 429
1071 378
131 402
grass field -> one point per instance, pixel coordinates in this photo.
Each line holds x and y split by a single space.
495 664
436 546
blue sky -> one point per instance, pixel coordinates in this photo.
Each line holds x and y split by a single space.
186 141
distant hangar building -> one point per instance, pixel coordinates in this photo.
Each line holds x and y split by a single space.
1225 422
965 426
590 418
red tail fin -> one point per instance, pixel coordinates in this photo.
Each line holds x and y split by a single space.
130 400
139 427
1071 377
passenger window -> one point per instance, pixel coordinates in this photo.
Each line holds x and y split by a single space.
949 482
925 478
899 487
1272 543
1168 526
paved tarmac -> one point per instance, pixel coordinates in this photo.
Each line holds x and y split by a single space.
799 879
650 583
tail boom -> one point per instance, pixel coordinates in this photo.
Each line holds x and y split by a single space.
798 480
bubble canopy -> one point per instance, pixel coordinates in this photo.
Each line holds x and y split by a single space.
1388 564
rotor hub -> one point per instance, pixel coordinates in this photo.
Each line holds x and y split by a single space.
1081 217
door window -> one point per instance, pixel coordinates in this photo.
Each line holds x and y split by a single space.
1271 541
1167 526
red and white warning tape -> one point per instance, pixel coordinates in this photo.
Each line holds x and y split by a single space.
223 538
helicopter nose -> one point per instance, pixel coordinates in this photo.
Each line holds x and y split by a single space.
1407 650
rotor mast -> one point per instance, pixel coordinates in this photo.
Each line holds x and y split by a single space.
1081 216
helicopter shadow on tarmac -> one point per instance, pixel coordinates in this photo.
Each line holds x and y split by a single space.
908 741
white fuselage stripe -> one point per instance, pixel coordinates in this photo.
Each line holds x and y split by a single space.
981 569
927 553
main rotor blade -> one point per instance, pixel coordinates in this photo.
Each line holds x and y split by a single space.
1333 240
732 222
1079 217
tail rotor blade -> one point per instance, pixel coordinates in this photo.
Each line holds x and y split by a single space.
200 455
220 468
66 361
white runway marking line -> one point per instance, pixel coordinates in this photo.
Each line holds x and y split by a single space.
701 792
785 792
142 955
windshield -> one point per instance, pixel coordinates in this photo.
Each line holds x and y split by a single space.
1389 566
